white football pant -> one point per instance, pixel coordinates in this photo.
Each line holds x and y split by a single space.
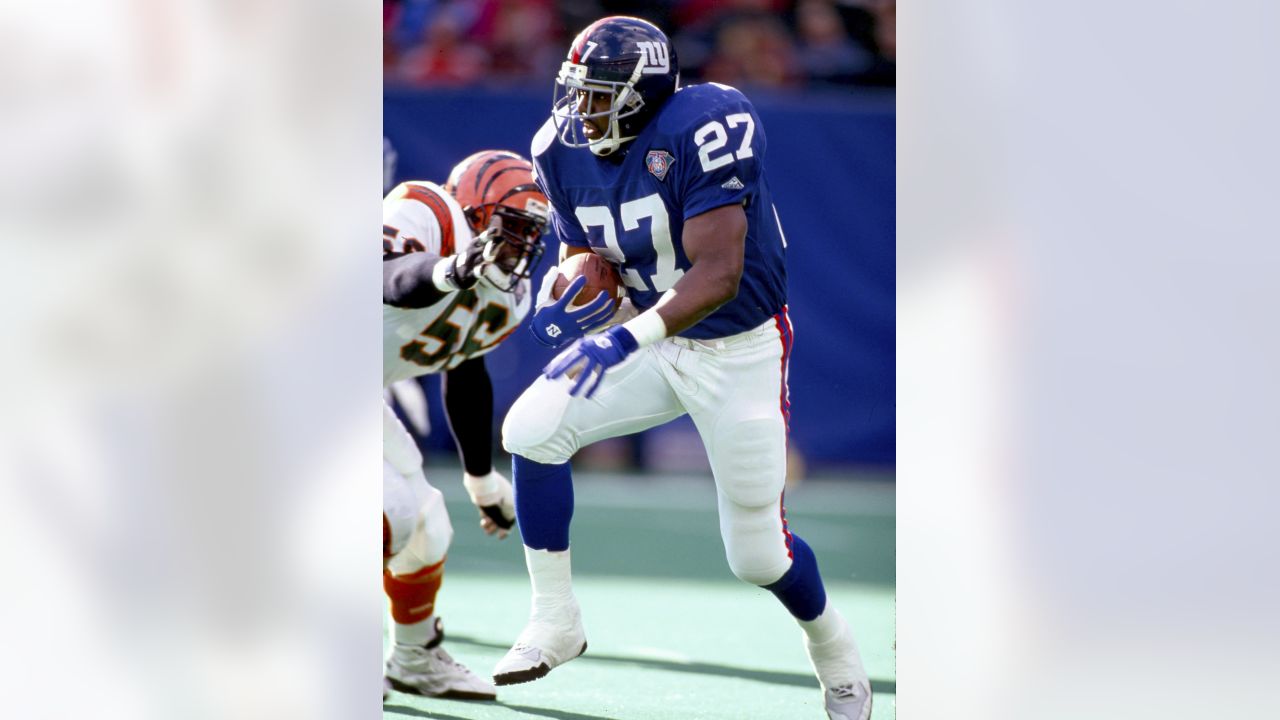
415 511
734 388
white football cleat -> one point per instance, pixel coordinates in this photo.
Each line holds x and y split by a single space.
849 702
429 670
846 689
553 637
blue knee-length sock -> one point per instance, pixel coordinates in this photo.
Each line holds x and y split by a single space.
544 503
800 587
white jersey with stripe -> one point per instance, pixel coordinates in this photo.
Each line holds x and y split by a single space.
422 217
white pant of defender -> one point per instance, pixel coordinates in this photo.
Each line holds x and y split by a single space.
414 510
733 388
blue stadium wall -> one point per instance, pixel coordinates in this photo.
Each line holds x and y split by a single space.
831 166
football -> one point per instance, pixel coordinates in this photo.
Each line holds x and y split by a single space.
601 277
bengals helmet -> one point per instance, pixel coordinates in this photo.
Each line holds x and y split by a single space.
506 211
629 61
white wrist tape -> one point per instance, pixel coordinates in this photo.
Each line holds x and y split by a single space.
484 489
544 290
481 484
438 277
647 328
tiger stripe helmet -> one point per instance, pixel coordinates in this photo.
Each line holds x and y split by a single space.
500 183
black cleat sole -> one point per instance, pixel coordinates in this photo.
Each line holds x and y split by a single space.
533 673
521 676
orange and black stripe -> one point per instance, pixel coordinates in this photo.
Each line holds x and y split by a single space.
440 208
485 180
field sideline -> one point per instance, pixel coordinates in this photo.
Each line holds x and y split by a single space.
672 633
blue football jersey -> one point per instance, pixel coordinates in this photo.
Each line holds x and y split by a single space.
703 150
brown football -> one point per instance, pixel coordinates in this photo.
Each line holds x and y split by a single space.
601 277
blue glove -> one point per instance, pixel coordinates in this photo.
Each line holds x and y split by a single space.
595 355
555 324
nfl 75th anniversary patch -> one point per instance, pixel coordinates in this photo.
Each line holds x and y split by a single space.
659 163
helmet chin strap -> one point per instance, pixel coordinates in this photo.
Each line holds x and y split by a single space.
609 144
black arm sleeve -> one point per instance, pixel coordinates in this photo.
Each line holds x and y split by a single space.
468 402
406 280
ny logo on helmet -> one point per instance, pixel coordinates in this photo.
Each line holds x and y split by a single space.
657 58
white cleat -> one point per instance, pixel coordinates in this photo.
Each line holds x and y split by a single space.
846 689
849 702
429 670
553 637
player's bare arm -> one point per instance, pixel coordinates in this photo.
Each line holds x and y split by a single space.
568 251
713 242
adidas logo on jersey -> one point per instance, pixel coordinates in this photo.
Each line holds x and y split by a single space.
732 183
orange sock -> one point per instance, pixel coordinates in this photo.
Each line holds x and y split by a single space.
413 596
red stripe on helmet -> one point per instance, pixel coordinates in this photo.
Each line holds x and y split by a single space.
581 44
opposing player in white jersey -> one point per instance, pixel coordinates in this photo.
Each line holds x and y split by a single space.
456 267
667 183
408 397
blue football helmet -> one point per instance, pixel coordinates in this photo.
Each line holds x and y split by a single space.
627 60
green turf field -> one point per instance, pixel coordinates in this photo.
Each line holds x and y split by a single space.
672 633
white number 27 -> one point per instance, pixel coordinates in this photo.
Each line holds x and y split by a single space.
712 136
665 273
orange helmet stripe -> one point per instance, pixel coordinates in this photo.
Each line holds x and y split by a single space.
440 208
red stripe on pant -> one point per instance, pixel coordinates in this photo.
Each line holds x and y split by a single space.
783 323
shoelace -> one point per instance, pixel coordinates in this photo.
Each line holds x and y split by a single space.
846 692
438 658
448 659
521 648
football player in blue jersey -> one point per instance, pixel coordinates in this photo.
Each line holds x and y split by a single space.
667 183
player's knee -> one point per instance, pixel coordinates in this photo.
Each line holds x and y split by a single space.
750 461
435 527
533 427
754 542
758 569
400 508
429 542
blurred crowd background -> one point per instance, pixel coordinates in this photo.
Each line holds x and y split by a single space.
749 44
